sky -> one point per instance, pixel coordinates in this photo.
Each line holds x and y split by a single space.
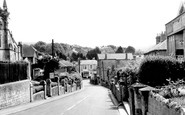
91 23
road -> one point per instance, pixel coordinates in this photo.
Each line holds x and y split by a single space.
92 100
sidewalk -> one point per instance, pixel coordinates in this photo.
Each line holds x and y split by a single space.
123 109
26 106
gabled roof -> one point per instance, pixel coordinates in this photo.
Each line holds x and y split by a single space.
64 63
159 47
28 51
117 56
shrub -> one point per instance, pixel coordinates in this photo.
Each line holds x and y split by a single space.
154 71
50 66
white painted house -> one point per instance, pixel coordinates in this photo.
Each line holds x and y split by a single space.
87 67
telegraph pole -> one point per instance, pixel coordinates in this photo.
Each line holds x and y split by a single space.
52 46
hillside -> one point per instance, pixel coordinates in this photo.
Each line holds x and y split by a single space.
67 50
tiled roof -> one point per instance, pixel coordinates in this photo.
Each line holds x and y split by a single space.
28 51
64 63
158 47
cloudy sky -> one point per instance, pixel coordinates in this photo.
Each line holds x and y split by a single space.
91 22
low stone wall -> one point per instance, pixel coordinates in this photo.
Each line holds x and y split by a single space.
55 91
39 96
14 93
161 106
143 101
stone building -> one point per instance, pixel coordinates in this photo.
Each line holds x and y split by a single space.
9 49
175 30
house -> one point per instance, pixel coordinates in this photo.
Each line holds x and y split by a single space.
175 30
9 49
106 61
30 53
160 49
87 67
65 68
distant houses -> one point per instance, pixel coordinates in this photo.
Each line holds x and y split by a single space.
114 60
87 67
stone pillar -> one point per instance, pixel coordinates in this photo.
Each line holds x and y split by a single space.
121 85
137 98
131 100
28 69
31 92
58 84
45 89
49 90
144 99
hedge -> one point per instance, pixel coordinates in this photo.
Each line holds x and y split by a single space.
155 71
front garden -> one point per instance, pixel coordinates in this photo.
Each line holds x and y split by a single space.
163 79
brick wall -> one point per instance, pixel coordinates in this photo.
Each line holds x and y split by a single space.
14 93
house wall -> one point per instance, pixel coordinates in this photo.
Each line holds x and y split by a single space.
14 93
178 41
171 46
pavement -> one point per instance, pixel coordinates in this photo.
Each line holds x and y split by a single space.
99 100
26 106
124 108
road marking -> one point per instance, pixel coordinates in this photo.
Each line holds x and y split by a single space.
76 104
82 100
71 107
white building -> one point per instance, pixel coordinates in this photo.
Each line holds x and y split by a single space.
87 67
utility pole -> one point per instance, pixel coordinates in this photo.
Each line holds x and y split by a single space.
52 46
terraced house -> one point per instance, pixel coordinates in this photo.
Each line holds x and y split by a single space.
175 30
9 49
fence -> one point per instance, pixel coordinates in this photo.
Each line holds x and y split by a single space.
11 72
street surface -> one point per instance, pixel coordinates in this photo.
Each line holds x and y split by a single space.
93 100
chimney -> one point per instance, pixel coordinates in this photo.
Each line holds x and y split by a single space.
20 48
158 39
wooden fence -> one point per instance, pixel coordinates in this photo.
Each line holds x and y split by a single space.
11 72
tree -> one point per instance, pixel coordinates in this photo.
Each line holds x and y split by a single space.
119 50
112 46
40 46
74 57
50 66
130 49
93 53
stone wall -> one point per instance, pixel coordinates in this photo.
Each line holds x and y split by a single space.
161 106
14 93
143 101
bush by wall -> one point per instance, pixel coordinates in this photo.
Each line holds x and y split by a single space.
155 71
12 71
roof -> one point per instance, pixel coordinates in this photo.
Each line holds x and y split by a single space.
159 47
118 56
28 51
85 62
64 63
